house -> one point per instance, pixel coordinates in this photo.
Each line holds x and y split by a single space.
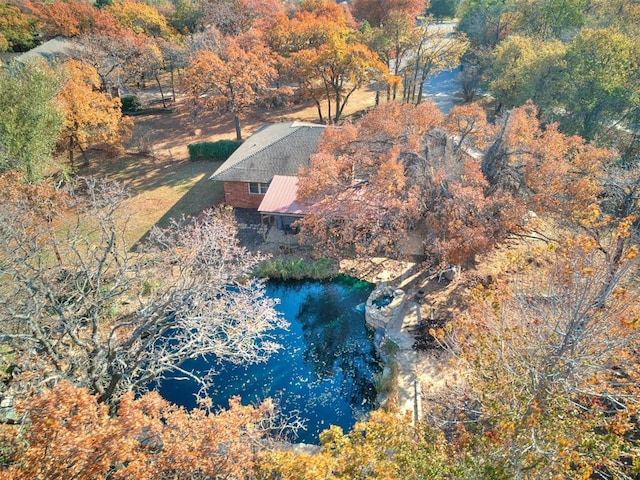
275 149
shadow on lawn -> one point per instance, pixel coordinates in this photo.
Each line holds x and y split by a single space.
203 194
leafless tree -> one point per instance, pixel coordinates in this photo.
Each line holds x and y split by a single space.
79 304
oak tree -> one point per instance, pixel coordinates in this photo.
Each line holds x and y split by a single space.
141 18
394 41
600 84
17 29
69 18
384 446
525 68
325 55
230 80
86 308
436 50
91 117
377 12
67 433
550 385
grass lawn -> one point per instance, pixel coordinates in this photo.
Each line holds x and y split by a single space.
160 189
167 185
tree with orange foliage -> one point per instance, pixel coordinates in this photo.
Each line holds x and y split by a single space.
468 200
394 41
398 171
469 125
551 369
69 18
296 39
91 116
68 434
230 80
378 12
553 172
325 54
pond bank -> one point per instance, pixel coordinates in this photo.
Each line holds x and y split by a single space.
419 373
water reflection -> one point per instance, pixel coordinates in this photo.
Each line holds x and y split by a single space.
326 370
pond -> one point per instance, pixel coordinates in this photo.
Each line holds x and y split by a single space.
325 371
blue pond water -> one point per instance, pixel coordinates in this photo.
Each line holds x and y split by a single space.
325 372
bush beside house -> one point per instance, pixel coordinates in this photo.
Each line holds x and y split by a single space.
220 150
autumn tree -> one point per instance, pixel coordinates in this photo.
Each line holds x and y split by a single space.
69 18
344 67
68 433
114 54
385 445
551 370
296 39
394 174
230 80
394 41
378 12
91 117
233 17
325 55
469 125
86 308
553 172
141 19
117 47
17 29
29 118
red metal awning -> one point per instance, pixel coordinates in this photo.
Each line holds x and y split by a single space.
281 197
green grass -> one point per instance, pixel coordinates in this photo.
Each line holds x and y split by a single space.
284 268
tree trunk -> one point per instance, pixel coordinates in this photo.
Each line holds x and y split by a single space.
328 94
236 122
339 107
164 103
319 107
71 158
420 91
173 86
84 155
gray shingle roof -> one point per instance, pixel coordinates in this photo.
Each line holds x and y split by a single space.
275 149
56 49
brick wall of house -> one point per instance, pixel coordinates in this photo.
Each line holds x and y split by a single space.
237 194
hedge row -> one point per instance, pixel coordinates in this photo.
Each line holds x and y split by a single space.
220 150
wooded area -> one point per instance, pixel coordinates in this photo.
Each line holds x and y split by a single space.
541 147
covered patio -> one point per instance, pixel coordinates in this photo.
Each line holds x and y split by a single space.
279 206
